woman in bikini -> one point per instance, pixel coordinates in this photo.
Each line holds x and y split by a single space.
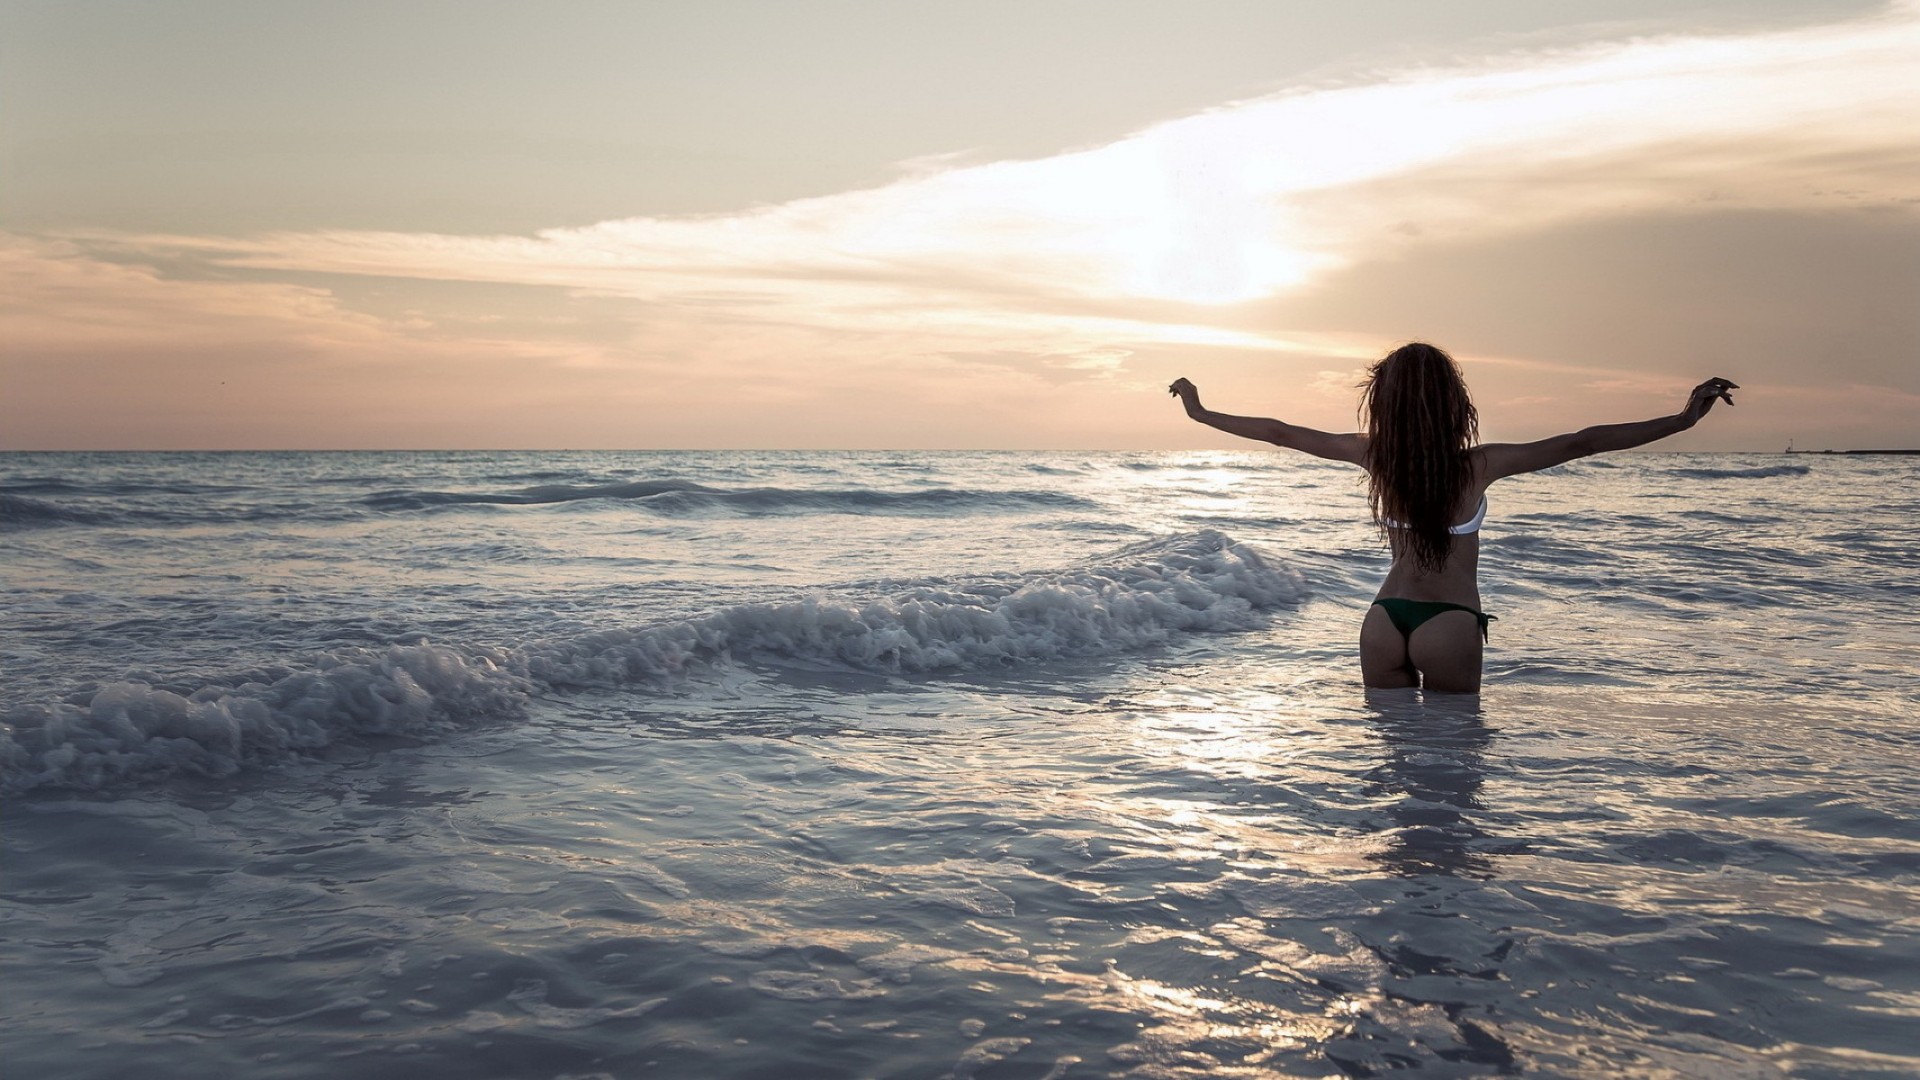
1428 486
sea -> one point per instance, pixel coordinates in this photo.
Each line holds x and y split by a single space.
996 765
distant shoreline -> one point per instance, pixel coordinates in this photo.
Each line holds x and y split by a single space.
1850 451
5 451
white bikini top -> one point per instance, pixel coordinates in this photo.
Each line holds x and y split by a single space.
1471 525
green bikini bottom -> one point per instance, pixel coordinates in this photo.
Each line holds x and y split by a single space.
1407 615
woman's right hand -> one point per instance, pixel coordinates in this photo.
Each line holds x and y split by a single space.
1188 394
1704 395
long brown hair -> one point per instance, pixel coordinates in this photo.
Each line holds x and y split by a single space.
1421 427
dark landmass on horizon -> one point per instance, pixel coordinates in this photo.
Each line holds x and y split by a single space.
738 449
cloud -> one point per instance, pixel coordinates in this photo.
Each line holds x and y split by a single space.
101 354
1249 199
1340 385
54 297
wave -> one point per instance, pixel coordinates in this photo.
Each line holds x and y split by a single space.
676 498
666 498
1142 596
50 485
1758 472
21 512
59 486
533 496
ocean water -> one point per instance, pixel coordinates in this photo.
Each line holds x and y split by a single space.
996 765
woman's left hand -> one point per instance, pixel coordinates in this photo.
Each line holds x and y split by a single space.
1704 395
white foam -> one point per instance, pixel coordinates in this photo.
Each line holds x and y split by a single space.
1145 595
1142 596
812 986
133 729
897 964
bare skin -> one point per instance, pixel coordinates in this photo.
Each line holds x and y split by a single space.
1444 652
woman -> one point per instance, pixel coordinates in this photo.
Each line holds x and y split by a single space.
1428 486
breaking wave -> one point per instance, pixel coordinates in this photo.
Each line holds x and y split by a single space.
1141 596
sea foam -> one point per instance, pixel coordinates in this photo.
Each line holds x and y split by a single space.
1141 596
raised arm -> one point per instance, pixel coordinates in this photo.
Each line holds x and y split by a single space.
1351 448
1510 459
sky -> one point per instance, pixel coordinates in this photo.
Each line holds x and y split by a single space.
402 224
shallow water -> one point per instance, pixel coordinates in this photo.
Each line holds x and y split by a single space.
997 765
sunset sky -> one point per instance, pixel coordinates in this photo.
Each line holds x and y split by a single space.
263 224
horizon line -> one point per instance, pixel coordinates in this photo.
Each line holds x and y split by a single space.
786 450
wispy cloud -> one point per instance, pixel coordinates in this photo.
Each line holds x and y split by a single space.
1250 198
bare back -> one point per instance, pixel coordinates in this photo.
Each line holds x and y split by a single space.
1426 627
